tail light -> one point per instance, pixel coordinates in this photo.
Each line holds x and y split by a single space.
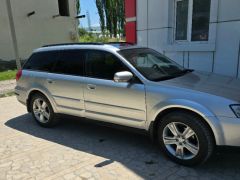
18 75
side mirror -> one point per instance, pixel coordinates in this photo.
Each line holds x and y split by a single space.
124 76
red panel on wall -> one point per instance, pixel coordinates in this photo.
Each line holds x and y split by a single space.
130 27
131 32
130 8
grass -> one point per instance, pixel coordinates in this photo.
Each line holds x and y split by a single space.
11 93
8 75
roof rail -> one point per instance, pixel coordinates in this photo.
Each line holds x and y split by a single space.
123 43
69 44
120 44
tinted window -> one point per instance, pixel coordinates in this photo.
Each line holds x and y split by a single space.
70 62
153 65
103 65
43 61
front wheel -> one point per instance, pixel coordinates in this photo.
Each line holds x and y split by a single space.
185 138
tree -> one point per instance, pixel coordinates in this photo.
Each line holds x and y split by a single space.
78 6
112 16
100 7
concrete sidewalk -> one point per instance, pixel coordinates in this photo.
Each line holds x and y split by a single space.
78 149
7 86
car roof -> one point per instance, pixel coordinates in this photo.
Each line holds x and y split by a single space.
113 46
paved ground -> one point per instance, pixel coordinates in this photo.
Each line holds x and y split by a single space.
79 150
7 86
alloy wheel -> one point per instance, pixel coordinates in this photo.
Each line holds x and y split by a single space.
41 110
180 141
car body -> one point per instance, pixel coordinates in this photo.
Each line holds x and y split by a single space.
140 103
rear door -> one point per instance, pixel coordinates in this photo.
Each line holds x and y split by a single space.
65 82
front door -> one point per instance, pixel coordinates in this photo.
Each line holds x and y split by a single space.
106 100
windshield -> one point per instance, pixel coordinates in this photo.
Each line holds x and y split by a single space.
153 65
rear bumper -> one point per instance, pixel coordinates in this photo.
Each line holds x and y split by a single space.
230 130
21 95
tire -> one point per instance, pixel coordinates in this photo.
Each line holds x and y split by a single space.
42 111
191 143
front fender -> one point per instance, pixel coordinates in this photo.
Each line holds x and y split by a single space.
209 117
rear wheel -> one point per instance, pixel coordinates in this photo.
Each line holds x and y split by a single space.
185 138
42 111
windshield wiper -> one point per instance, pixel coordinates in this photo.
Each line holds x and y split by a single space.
181 73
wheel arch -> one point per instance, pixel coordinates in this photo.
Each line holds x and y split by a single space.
208 118
38 91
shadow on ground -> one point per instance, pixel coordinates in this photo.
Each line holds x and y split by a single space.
133 150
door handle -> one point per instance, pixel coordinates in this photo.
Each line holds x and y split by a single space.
50 81
91 86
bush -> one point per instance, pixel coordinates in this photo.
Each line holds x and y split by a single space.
90 37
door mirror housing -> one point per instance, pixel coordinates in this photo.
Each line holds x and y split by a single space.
124 76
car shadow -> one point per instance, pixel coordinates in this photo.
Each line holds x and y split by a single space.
133 150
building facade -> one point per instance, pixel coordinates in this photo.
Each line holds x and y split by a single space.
198 34
29 24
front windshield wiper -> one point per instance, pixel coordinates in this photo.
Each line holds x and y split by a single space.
181 73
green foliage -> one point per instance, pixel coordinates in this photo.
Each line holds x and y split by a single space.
90 37
112 16
100 8
78 7
7 75
82 32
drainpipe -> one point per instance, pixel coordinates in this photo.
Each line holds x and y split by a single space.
13 33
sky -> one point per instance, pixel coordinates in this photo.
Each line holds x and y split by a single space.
90 6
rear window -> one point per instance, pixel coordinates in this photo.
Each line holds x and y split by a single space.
70 62
43 61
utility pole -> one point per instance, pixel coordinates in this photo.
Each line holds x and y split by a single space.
89 21
13 33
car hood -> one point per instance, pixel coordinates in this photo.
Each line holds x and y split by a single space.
210 83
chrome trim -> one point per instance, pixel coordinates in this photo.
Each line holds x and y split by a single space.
111 115
114 106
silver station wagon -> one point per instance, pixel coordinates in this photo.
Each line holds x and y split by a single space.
187 112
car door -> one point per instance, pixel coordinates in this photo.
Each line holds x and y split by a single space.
65 82
106 100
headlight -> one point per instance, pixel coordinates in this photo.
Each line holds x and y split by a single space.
236 109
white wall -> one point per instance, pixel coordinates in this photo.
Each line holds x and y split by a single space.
220 55
37 30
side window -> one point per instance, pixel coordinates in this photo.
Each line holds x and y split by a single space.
42 61
103 65
70 62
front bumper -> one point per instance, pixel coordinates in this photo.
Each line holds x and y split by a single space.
230 130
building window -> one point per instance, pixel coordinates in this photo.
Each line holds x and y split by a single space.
63 7
192 20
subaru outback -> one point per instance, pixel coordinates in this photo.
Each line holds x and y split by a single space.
187 112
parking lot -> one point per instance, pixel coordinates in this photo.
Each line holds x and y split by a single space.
77 149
